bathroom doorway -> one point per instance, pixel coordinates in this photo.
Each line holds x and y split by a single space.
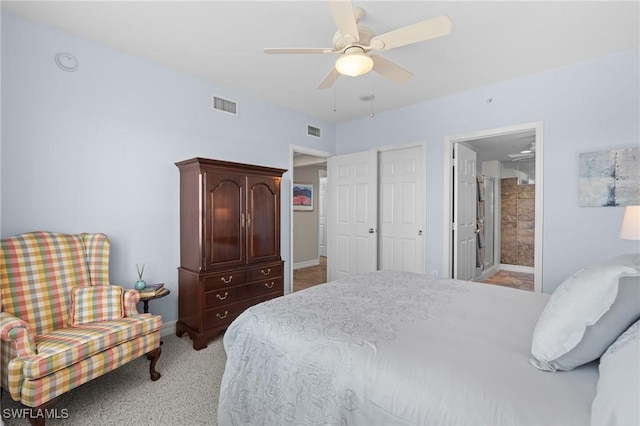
494 231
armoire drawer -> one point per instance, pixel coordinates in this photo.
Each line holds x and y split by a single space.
265 272
225 279
224 315
228 295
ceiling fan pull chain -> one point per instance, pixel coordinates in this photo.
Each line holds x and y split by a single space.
373 97
335 92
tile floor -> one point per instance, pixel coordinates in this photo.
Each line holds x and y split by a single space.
313 275
520 280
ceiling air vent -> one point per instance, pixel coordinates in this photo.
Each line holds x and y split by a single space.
225 105
314 131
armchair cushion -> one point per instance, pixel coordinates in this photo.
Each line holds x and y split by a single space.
65 347
94 304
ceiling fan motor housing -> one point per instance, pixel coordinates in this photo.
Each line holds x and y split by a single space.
365 34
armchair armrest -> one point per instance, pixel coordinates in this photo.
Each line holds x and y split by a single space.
130 302
19 333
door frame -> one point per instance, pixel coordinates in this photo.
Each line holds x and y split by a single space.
449 142
302 150
322 233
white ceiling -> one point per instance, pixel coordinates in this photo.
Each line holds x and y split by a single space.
223 40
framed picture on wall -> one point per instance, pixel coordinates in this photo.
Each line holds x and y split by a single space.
303 196
609 178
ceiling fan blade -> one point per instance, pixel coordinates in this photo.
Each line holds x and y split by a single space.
521 156
421 31
345 19
390 70
297 50
329 79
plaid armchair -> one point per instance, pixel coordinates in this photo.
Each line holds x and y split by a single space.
61 323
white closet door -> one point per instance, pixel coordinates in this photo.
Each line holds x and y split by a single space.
352 215
401 213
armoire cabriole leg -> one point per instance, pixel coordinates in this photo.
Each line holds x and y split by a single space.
153 356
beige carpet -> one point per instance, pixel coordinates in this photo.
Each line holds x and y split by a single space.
186 394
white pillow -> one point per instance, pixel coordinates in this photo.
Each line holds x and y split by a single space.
617 400
581 302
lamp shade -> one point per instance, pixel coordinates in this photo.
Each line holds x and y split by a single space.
630 229
354 64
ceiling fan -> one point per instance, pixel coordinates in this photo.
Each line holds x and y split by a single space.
353 41
525 154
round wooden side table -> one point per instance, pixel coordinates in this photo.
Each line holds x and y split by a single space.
145 300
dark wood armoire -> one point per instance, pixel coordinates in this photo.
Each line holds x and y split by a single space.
229 243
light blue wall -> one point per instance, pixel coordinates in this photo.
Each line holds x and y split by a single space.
94 150
585 107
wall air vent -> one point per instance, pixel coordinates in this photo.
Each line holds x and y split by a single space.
224 105
316 132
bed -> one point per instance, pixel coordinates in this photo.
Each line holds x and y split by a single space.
395 348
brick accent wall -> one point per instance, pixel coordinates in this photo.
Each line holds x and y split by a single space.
517 227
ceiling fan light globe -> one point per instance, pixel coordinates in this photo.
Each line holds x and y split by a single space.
354 64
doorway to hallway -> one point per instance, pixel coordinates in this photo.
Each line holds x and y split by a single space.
308 226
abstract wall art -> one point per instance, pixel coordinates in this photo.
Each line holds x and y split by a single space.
609 178
302 196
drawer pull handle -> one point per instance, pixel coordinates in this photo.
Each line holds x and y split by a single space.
267 285
226 293
265 273
221 317
226 281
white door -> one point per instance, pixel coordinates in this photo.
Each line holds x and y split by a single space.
401 212
464 213
322 219
352 215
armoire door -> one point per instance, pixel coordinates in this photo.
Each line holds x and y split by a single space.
224 220
263 219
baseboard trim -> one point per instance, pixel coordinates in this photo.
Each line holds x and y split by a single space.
168 328
516 268
306 264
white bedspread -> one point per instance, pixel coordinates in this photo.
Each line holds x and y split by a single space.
396 348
